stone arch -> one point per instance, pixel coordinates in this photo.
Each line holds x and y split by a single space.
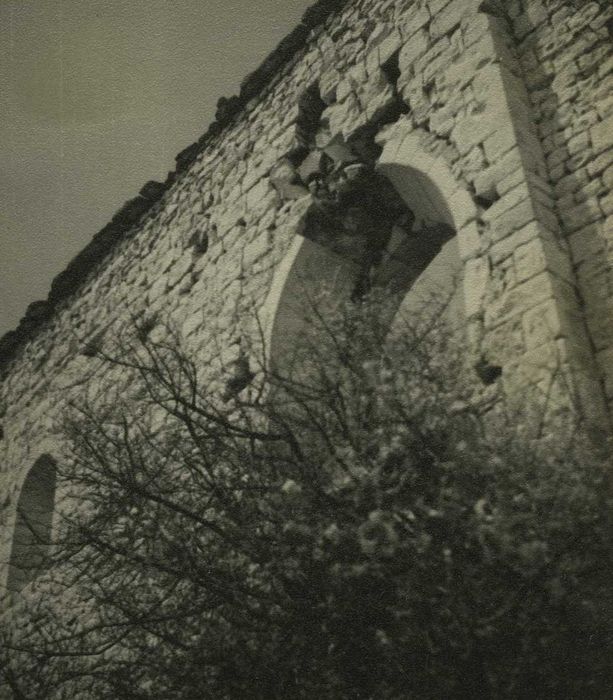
317 259
425 181
427 185
307 267
33 524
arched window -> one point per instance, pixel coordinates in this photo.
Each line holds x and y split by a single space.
396 226
32 534
311 268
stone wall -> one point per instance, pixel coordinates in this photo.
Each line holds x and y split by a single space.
565 51
391 126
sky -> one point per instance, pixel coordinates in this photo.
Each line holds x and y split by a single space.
96 98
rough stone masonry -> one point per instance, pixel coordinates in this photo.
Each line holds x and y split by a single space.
380 132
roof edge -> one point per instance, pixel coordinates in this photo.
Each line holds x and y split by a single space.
70 280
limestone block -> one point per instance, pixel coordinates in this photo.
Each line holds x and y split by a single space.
413 94
571 183
480 24
226 218
371 62
538 255
512 220
501 250
344 89
389 46
496 83
191 324
545 212
448 18
468 132
473 162
436 50
413 19
269 158
285 142
256 249
593 189
442 122
493 40
540 189
339 113
233 242
604 106
430 67
260 196
578 143
518 299
462 208
606 204
334 147
413 48
357 74
576 217
480 128
487 180
511 181
607 175
181 267
602 135
578 160
157 288
355 118
509 200
476 280
435 6
252 175
377 35
462 71
328 84
587 243
469 241
529 260
500 142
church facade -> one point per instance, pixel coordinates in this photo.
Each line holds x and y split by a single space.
382 139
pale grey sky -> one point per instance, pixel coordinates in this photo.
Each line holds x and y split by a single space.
96 98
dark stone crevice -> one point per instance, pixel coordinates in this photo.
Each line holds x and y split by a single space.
391 68
487 372
199 242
